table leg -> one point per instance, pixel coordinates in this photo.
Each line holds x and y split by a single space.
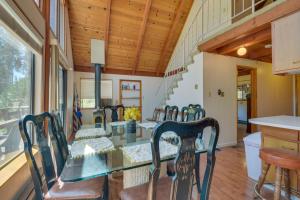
106 188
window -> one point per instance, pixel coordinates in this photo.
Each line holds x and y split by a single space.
61 25
243 91
16 92
87 93
53 16
62 90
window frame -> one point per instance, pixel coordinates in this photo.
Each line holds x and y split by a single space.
56 31
31 109
61 7
65 90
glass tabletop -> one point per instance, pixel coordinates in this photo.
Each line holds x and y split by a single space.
131 150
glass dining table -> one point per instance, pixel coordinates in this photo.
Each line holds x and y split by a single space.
103 164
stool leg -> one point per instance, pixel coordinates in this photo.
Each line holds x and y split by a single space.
277 192
287 183
262 177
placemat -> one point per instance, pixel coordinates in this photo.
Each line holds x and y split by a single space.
119 123
89 133
142 152
147 125
90 147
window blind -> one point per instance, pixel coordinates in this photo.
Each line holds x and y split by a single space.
87 89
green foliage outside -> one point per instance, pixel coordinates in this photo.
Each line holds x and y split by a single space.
15 76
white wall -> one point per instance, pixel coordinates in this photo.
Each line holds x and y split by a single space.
187 92
274 93
150 86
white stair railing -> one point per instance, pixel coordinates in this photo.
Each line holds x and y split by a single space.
205 20
169 83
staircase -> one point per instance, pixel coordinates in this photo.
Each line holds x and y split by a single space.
185 87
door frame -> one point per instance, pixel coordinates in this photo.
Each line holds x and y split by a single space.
253 75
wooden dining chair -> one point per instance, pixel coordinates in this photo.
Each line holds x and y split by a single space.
200 110
99 117
60 137
192 113
114 112
194 106
180 186
171 113
42 126
156 115
58 131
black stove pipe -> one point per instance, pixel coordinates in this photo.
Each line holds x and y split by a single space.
98 86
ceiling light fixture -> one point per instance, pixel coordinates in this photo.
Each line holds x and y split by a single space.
242 51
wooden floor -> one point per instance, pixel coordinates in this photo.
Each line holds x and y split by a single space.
241 132
230 179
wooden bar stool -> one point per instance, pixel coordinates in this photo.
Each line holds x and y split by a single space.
284 161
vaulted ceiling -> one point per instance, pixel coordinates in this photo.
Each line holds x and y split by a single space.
140 35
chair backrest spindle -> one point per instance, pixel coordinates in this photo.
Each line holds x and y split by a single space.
114 112
171 113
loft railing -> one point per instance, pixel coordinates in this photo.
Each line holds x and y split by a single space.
206 20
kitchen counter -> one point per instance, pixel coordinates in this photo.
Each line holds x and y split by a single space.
282 132
282 121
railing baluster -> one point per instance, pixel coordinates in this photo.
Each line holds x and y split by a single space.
200 27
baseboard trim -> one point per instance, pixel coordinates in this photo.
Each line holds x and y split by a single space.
229 144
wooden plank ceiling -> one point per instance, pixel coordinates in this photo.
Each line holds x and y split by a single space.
258 45
140 35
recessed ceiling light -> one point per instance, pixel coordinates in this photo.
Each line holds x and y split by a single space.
242 51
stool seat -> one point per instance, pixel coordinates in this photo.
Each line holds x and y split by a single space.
282 158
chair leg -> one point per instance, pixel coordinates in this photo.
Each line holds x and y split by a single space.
197 172
287 183
262 178
106 188
278 179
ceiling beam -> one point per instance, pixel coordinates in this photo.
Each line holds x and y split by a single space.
262 52
256 23
169 38
107 28
247 41
109 70
267 59
141 35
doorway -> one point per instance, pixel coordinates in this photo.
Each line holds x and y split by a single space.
246 100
